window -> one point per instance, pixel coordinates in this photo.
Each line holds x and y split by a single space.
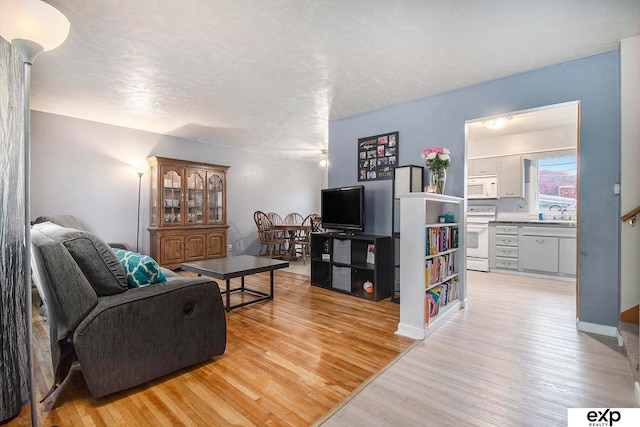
557 183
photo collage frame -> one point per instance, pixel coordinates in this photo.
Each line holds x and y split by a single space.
377 156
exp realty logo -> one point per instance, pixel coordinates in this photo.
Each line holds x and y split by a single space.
603 417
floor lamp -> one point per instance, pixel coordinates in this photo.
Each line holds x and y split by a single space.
32 27
140 172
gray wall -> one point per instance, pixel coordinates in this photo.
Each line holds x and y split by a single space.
440 120
84 169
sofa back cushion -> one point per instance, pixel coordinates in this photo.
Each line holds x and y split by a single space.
66 221
61 284
98 262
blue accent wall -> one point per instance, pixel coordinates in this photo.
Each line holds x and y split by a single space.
440 120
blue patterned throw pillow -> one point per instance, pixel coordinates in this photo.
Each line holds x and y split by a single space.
141 270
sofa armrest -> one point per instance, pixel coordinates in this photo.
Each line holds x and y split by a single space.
144 333
170 273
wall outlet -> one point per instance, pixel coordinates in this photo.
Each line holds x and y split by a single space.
230 248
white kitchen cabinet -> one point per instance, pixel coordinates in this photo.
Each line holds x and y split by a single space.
533 248
540 253
483 167
503 252
506 263
510 176
568 253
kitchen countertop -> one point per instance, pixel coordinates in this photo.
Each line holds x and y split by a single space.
537 222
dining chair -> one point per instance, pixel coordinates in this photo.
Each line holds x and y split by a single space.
269 237
316 223
275 218
293 218
303 237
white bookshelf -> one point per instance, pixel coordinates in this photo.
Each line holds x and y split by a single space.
418 213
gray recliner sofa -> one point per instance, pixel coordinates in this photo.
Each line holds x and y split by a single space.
120 337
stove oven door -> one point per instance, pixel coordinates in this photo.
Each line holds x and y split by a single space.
477 246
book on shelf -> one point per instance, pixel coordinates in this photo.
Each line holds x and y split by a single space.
441 295
441 239
433 303
439 268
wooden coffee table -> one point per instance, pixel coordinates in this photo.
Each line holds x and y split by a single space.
237 266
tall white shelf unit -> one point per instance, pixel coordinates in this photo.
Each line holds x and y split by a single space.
418 213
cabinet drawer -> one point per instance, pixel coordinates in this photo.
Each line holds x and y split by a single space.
506 240
506 229
507 251
507 263
549 231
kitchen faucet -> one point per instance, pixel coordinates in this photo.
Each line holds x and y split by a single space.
562 210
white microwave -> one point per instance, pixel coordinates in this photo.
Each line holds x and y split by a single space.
482 187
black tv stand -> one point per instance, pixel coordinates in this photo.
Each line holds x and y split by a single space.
339 262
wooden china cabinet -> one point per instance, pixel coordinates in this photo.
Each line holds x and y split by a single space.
188 211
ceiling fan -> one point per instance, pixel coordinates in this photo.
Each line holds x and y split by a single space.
306 154
322 158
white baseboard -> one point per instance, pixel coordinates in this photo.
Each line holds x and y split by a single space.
422 333
445 312
636 388
541 276
619 338
410 331
595 328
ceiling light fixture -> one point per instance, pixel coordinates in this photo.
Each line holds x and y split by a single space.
33 27
498 123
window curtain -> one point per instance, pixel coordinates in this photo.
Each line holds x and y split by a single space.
14 315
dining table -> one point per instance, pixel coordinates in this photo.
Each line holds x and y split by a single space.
291 231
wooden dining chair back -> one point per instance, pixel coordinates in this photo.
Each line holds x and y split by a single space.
316 223
303 237
269 238
279 235
293 218
275 218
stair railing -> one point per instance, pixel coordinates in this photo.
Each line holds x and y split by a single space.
630 216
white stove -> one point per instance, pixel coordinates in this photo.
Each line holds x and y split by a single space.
477 236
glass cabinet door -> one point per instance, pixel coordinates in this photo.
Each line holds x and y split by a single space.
172 196
195 197
153 220
215 199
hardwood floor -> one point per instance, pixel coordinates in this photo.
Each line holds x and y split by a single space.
513 357
287 363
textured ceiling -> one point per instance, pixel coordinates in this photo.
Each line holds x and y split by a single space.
268 75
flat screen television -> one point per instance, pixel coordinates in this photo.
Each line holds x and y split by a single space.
342 208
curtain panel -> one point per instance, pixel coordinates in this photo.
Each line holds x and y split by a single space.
14 315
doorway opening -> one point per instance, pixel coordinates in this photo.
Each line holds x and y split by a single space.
533 155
